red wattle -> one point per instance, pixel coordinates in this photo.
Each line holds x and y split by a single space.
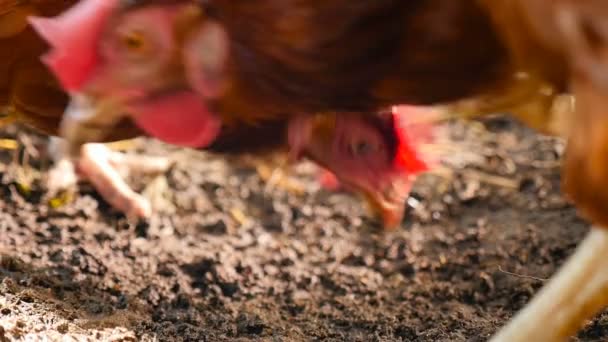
329 181
180 119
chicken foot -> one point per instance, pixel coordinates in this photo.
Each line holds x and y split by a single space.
105 170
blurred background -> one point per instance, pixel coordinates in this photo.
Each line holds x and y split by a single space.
240 249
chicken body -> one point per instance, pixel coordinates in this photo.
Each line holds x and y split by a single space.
473 57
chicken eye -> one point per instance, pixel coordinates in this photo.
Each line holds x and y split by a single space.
144 37
134 41
134 44
362 148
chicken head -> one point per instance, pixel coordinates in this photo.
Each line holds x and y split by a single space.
378 156
116 63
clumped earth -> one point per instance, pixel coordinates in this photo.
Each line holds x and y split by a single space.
231 257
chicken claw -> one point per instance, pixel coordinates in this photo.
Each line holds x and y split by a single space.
106 170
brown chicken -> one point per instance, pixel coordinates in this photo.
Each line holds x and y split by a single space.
265 58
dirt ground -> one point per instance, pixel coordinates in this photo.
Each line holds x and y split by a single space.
230 257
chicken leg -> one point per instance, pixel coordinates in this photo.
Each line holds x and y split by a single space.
106 170
580 289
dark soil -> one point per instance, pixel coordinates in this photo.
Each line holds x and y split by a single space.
230 258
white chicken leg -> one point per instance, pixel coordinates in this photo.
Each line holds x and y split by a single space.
106 170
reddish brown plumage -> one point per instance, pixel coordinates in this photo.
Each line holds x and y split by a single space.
343 55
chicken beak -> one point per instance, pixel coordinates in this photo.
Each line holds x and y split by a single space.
391 215
87 120
389 203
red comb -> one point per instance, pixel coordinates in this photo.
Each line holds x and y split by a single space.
412 130
73 37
